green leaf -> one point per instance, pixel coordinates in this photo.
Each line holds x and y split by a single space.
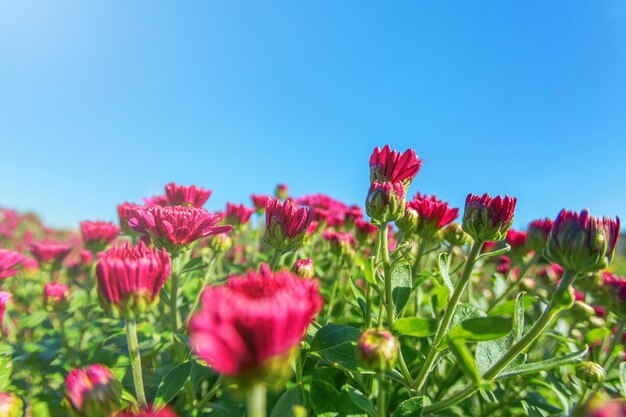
369 271
358 295
6 366
508 307
285 403
400 286
529 368
595 335
412 407
622 378
464 312
481 328
324 399
442 262
173 383
33 320
498 252
415 326
336 343
360 400
465 360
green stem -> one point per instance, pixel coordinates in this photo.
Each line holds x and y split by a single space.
382 398
333 294
256 399
275 261
218 382
174 295
135 360
535 331
433 353
418 258
205 282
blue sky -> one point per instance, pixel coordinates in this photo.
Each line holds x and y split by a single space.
105 102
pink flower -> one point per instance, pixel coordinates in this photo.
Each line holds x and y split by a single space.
180 195
130 277
433 214
281 191
286 224
98 234
93 391
616 288
150 412
175 227
537 234
253 318
486 218
4 299
157 200
50 252
55 293
304 268
504 264
325 208
340 242
386 201
391 166
259 202
365 231
9 261
237 214
517 240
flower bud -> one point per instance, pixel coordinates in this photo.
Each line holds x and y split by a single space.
391 166
304 268
93 391
591 373
11 405
56 296
455 235
537 235
386 201
340 242
281 191
615 287
220 243
377 350
581 242
582 311
488 219
408 222
286 224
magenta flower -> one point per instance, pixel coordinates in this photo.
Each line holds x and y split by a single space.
432 214
517 240
237 214
93 391
537 234
304 268
4 300
130 277
325 208
581 242
391 166
488 219
281 191
11 405
55 294
181 195
50 252
9 262
175 227
615 286
386 201
365 231
340 242
157 200
286 224
253 319
97 235
150 412
259 202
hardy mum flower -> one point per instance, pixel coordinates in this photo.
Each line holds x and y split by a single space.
455 235
259 202
304 268
93 391
11 405
4 299
250 326
150 412
50 252
286 224
125 213
9 261
97 235
385 201
55 294
615 286
488 219
364 231
391 166
157 200
180 195
130 277
432 214
237 214
377 350
340 242
581 242
325 208
281 191
175 227
537 234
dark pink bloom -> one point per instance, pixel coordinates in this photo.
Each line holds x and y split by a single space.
281 191
312 228
4 299
611 408
386 201
181 195
55 293
391 166
9 262
130 277
98 234
516 239
50 252
325 208
616 288
353 214
286 224
259 202
537 234
253 318
504 264
157 200
433 214
93 390
486 218
86 257
237 214
340 242
177 226
150 412
599 310
365 231
304 268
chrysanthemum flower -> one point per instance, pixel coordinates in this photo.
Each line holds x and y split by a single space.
237 214
249 326
432 214
488 219
181 195
93 391
55 294
304 268
391 166
537 234
50 252
517 240
281 191
259 202
385 201
9 263
340 242
286 224
97 235
130 277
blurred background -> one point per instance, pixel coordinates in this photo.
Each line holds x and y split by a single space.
106 102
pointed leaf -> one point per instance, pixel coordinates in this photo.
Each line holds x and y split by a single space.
442 262
173 383
415 326
412 407
285 403
529 368
400 286
481 328
498 252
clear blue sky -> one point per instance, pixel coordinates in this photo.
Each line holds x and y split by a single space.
105 102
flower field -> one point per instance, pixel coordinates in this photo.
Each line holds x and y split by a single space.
307 306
